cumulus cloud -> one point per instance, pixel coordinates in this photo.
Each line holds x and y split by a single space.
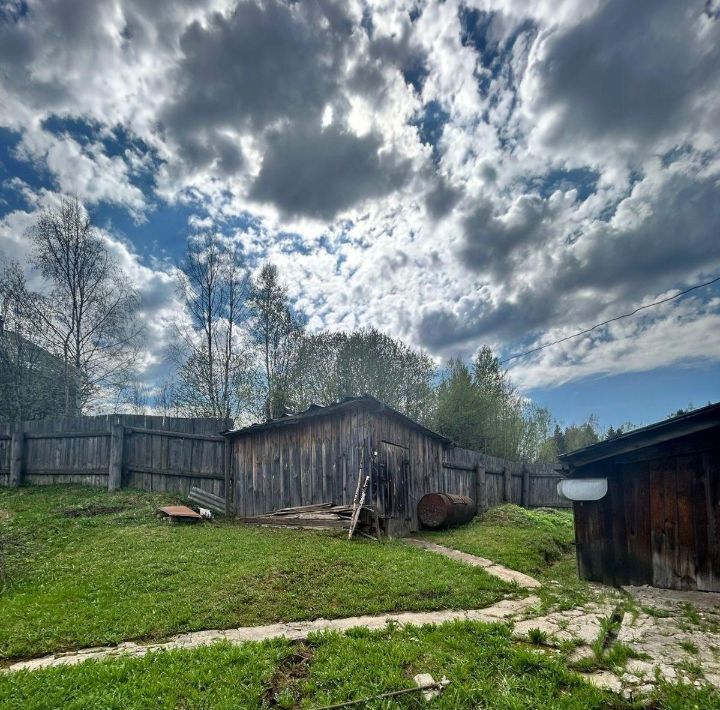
455 173
635 74
319 172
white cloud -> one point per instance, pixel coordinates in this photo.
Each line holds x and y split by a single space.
565 184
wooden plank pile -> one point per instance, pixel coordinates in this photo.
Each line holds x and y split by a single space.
319 515
207 499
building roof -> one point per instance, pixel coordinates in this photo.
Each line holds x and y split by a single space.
657 433
315 410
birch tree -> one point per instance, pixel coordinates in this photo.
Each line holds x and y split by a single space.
88 310
276 329
212 353
331 366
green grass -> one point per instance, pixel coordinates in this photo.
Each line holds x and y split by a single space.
97 580
485 667
86 580
689 647
537 542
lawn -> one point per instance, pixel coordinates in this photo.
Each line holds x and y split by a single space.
486 669
76 580
87 568
537 542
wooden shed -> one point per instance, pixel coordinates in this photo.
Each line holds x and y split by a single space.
659 521
317 456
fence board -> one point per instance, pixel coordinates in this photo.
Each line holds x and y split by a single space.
541 480
159 453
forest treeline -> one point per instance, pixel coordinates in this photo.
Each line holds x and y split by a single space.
239 349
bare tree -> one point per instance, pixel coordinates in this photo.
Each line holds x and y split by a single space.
214 360
88 312
165 399
277 330
135 396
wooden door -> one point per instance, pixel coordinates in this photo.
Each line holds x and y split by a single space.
395 484
673 534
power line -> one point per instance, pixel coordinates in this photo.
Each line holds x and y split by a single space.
610 320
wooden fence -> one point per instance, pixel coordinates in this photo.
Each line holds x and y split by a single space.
492 481
147 452
173 454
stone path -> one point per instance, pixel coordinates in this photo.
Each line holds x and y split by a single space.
679 632
496 570
676 635
505 609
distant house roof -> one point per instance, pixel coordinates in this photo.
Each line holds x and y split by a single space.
657 433
12 339
315 410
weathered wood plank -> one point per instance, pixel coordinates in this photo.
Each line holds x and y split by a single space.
117 457
176 434
17 458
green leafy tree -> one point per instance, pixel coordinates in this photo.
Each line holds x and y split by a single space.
331 366
480 408
276 329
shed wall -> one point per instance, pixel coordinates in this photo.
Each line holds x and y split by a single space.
659 523
312 461
425 455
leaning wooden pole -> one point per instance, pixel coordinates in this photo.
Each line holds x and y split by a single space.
359 498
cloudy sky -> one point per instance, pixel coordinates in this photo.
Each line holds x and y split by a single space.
454 173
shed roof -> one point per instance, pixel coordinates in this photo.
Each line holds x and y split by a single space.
657 433
315 410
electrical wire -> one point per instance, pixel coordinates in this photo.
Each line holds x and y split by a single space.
610 320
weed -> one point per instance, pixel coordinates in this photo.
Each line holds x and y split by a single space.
689 647
692 668
691 614
537 636
655 612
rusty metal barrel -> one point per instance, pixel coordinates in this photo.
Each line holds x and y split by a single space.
442 510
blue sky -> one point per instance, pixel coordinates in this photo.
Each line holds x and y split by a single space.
455 174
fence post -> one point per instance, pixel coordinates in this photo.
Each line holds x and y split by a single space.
229 483
17 457
507 484
525 487
481 488
117 433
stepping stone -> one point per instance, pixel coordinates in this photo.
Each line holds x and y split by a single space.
496 570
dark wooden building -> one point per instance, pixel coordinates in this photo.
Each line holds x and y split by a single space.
659 521
317 456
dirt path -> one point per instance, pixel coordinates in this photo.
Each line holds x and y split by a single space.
505 609
496 570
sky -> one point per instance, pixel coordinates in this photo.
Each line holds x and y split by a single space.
453 173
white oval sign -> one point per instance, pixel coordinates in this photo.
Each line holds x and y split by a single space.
582 488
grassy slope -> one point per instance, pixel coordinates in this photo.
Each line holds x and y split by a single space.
537 542
85 581
116 575
486 669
